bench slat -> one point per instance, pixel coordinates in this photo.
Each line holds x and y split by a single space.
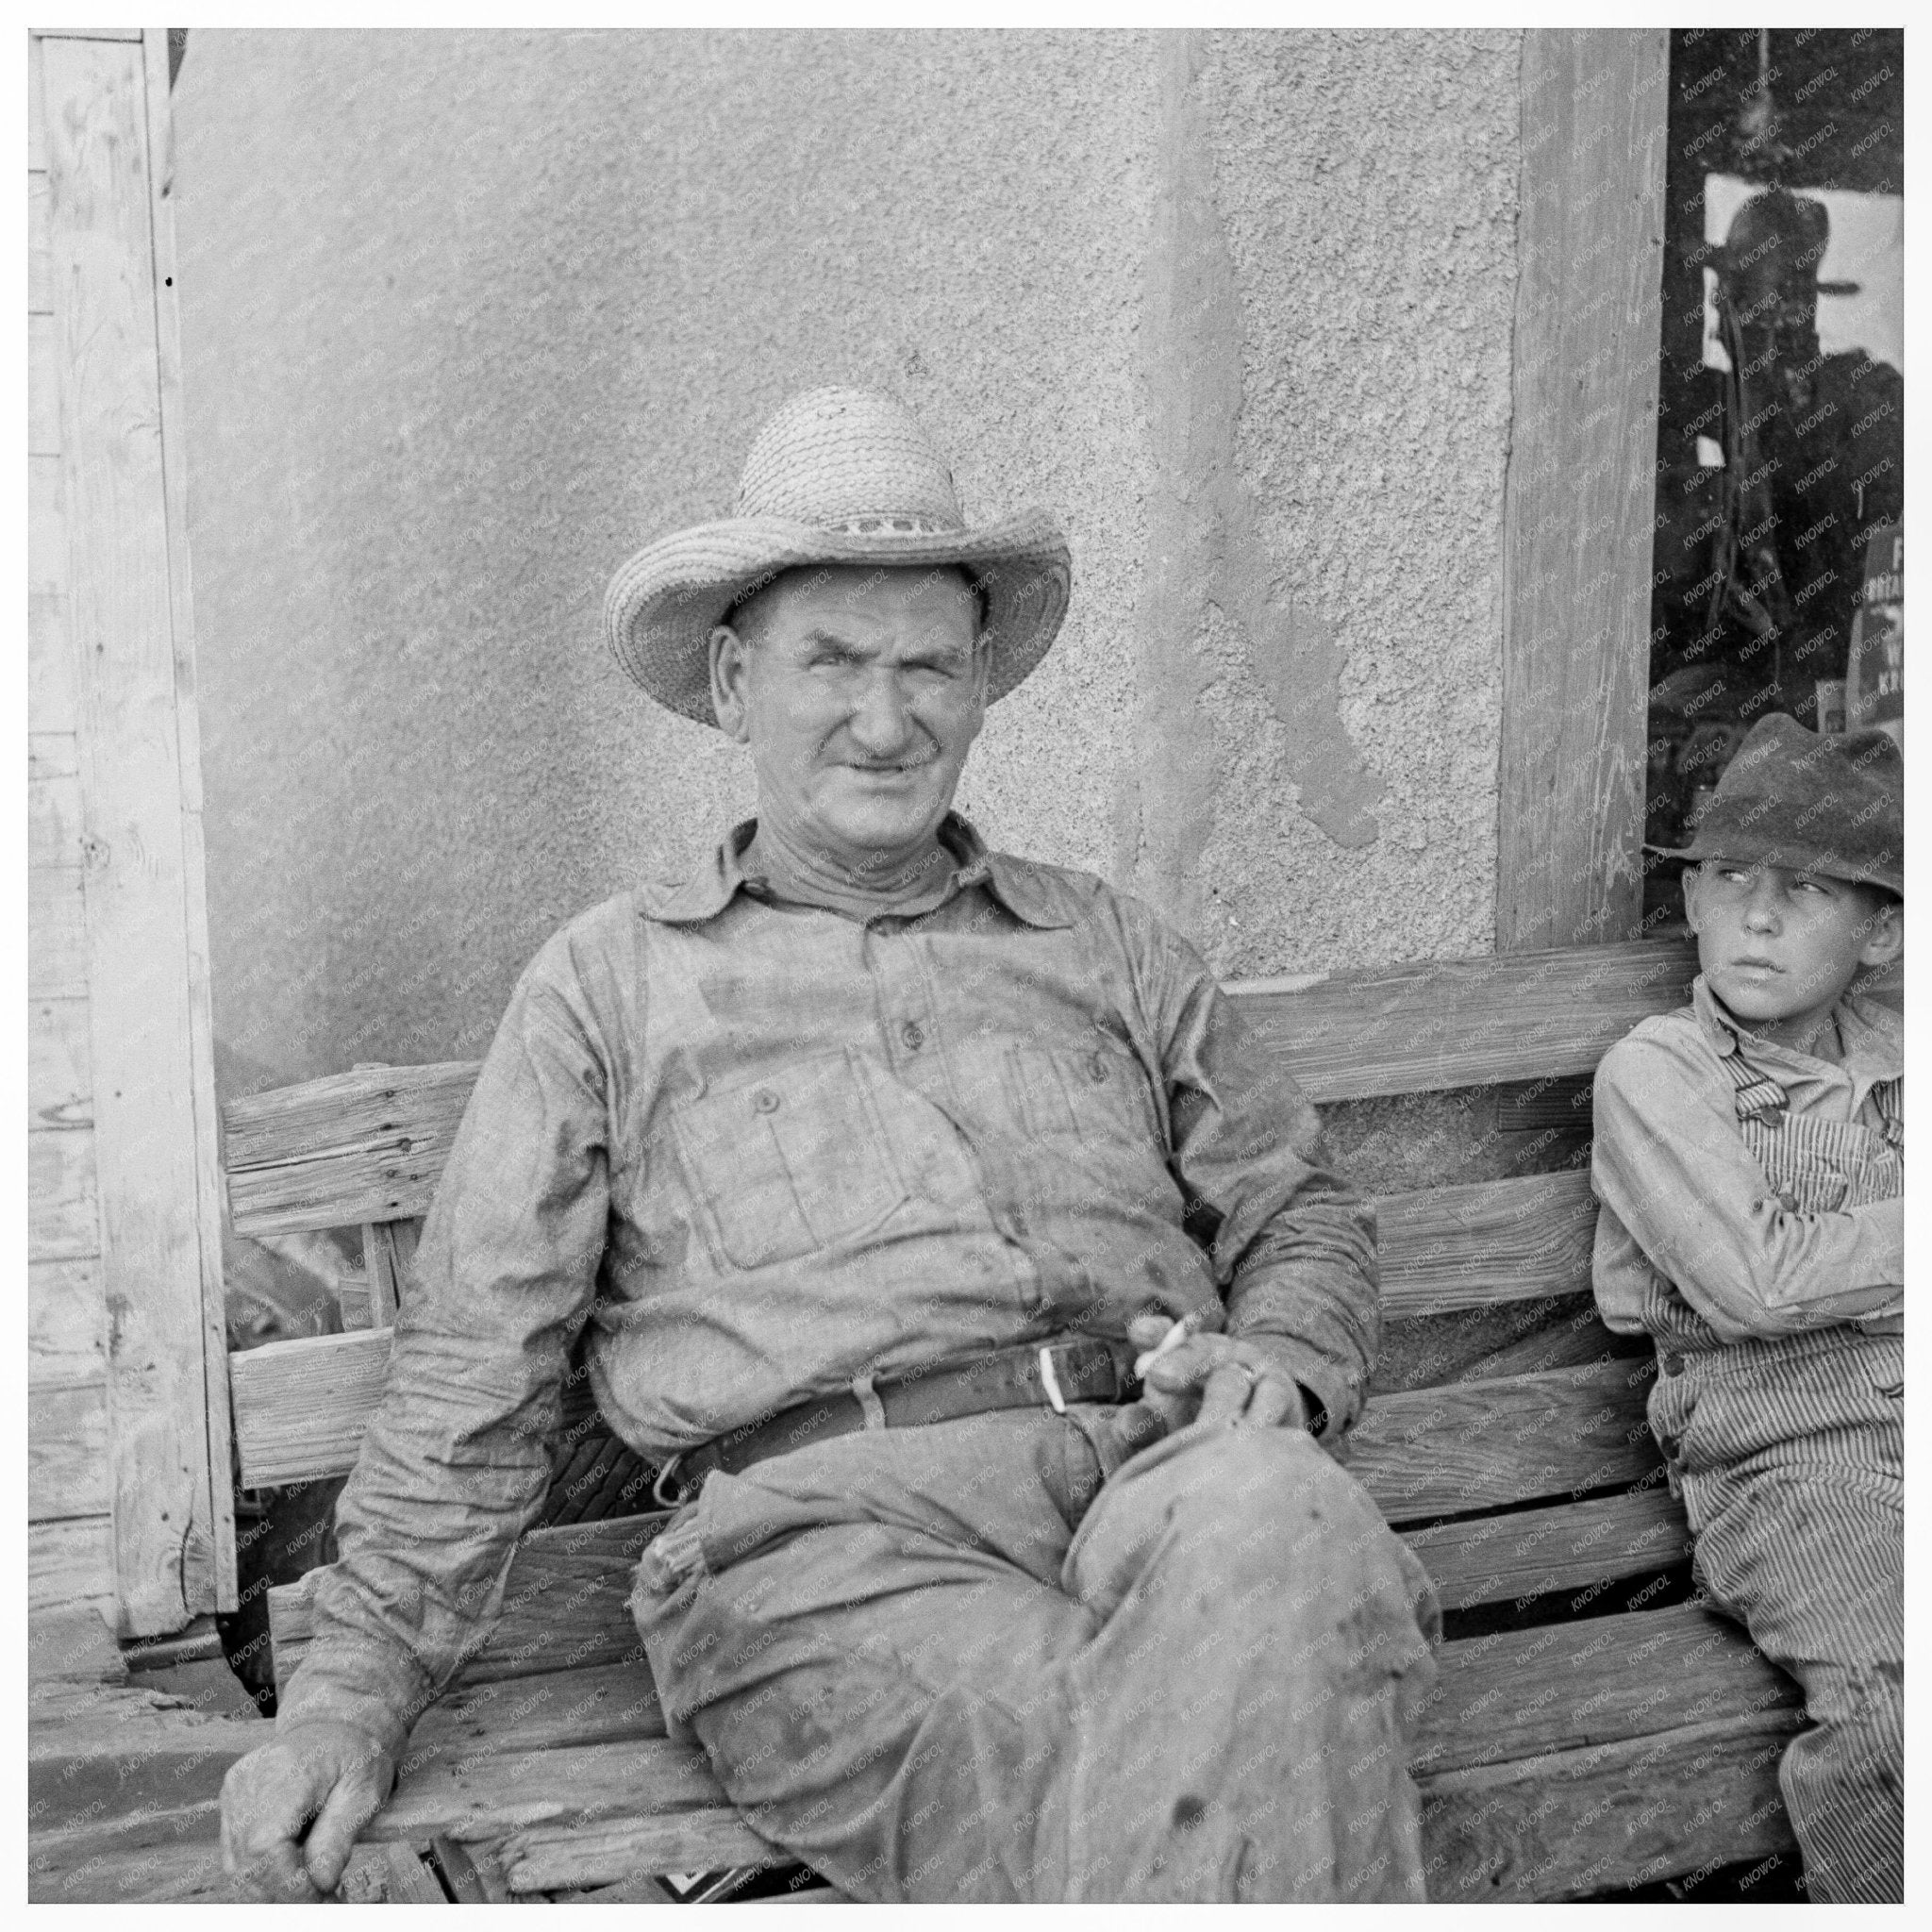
370 1145
577 1572
363 1146
1466 1022
1620 1814
1477 1245
570 1815
1465 1446
300 1407
587 1565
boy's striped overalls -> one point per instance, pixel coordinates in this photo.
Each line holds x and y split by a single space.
1790 1456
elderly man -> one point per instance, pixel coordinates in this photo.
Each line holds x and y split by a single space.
967 1268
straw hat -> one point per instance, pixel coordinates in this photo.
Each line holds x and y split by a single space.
835 476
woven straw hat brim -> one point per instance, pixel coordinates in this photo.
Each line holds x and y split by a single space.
664 603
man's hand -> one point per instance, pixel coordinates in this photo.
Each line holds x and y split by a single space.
1216 1379
330 1772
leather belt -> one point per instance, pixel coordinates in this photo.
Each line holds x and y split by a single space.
1049 1376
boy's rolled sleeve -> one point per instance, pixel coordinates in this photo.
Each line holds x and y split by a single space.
1671 1166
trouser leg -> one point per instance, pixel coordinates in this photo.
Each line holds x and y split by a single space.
1276 1639
1812 1561
926 1695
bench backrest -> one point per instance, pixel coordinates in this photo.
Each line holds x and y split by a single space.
366 1149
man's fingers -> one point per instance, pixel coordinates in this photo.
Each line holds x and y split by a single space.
357 1799
1224 1398
1275 1402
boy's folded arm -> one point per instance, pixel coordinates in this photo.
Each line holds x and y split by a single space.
1672 1165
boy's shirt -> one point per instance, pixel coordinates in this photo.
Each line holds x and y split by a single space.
1683 1197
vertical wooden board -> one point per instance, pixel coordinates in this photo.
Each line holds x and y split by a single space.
66 1451
216 1413
62 1195
36 114
47 528
1577 498
66 1324
72 1562
42 383
50 671
53 819
40 273
59 1079
55 932
121 613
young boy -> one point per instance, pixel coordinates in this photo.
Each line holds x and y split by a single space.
1750 1162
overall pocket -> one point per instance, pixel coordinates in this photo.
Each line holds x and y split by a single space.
788 1162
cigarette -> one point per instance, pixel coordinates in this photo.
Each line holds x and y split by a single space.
1166 1345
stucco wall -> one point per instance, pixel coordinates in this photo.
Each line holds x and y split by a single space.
468 318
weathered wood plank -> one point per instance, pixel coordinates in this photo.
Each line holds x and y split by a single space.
63 1195
40 272
212 1355
1563 1686
66 1322
47 562
1610 1815
67 1451
587 1566
42 384
149 1147
71 1560
1465 1023
584 1811
597 1704
1467 1446
1577 496
1487 1242
50 674
59 1076
53 819
36 112
363 1146
57 933
1584 1546
370 1145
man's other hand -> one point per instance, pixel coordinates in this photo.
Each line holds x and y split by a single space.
292 1810
1217 1378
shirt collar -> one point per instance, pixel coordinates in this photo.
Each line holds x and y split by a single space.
718 881
1870 1032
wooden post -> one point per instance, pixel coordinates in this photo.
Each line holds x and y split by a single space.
1579 495
166 1469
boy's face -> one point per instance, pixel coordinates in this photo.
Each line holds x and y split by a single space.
1779 947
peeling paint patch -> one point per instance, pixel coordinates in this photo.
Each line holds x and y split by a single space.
1206 552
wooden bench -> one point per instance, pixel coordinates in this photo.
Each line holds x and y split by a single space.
1591 1730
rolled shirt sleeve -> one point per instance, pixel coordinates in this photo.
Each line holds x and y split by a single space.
1293 1247
1672 1167
454 1464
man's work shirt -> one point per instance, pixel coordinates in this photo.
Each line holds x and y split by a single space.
764 1149
1684 1199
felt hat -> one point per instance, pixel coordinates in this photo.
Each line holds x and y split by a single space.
835 477
1833 804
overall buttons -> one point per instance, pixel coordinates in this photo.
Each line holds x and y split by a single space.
913 1034
765 1101
1099 1070
1671 1364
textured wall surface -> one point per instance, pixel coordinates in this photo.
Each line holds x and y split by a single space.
469 316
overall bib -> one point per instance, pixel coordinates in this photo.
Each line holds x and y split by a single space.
1790 1456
